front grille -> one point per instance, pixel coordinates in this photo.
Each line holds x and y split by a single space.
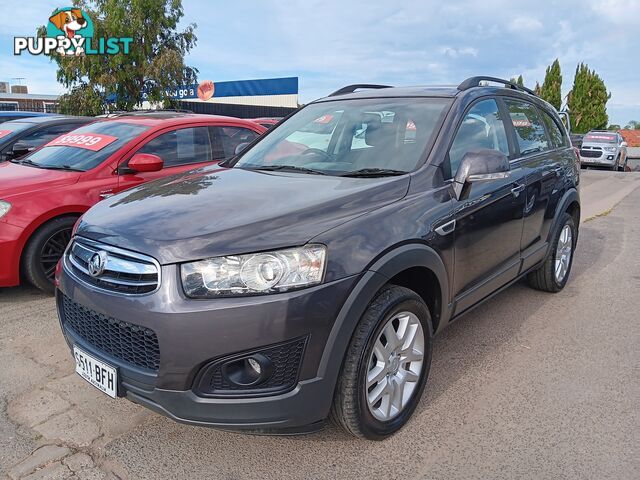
591 153
286 359
124 272
123 340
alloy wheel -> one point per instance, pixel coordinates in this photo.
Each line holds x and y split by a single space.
52 250
564 251
395 366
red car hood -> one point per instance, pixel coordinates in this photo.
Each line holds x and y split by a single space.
19 179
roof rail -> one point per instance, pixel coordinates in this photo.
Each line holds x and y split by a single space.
358 86
475 82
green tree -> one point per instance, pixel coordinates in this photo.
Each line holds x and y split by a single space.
518 81
551 89
154 64
537 88
614 127
587 101
633 125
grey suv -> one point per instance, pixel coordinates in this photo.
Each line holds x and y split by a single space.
604 149
307 278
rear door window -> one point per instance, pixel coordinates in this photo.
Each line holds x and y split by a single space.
530 132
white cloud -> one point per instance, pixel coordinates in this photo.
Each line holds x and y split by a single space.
522 24
457 52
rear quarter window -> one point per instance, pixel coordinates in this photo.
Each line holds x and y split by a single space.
555 133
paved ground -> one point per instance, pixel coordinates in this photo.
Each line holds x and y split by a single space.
530 385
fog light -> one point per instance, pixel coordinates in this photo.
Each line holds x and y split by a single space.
248 371
610 157
253 363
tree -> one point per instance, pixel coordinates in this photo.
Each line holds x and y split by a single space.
518 81
551 89
537 88
154 64
614 127
587 101
633 125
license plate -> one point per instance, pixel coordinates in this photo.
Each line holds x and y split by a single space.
102 376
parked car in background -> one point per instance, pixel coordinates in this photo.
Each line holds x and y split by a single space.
603 148
43 194
19 137
289 287
576 139
267 122
8 115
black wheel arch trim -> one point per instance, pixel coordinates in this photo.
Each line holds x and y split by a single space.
570 196
369 283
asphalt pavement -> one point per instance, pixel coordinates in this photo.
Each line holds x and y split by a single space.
529 385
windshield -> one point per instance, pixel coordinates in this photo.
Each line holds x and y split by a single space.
93 144
8 129
600 138
343 137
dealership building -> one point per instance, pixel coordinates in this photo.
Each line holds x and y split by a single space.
266 97
18 98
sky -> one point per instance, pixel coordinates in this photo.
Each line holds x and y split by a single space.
329 44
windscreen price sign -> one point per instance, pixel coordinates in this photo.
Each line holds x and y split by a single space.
88 141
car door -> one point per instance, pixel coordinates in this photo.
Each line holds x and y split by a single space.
181 149
488 215
538 141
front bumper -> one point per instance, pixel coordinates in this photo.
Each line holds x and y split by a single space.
193 333
607 158
10 247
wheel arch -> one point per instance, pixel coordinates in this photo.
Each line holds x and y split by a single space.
569 203
404 263
39 222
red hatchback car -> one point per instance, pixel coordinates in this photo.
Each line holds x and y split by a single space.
43 194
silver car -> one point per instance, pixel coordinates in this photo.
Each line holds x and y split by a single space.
604 149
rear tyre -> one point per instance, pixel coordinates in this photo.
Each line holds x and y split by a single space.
623 167
552 276
44 249
385 367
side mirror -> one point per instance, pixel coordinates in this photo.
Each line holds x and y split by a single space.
19 149
241 147
623 144
479 166
145 162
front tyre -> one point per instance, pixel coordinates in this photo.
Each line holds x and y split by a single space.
386 365
43 251
552 276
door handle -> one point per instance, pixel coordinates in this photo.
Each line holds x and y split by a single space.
517 189
447 228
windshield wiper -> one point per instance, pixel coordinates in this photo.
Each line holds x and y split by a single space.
61 167
26 161
374 172
290 168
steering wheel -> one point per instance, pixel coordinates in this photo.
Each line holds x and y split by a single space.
317 151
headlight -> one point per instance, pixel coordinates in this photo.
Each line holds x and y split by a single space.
4 208
610 149
256 273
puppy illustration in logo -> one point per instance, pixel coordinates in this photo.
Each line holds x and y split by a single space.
69 21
